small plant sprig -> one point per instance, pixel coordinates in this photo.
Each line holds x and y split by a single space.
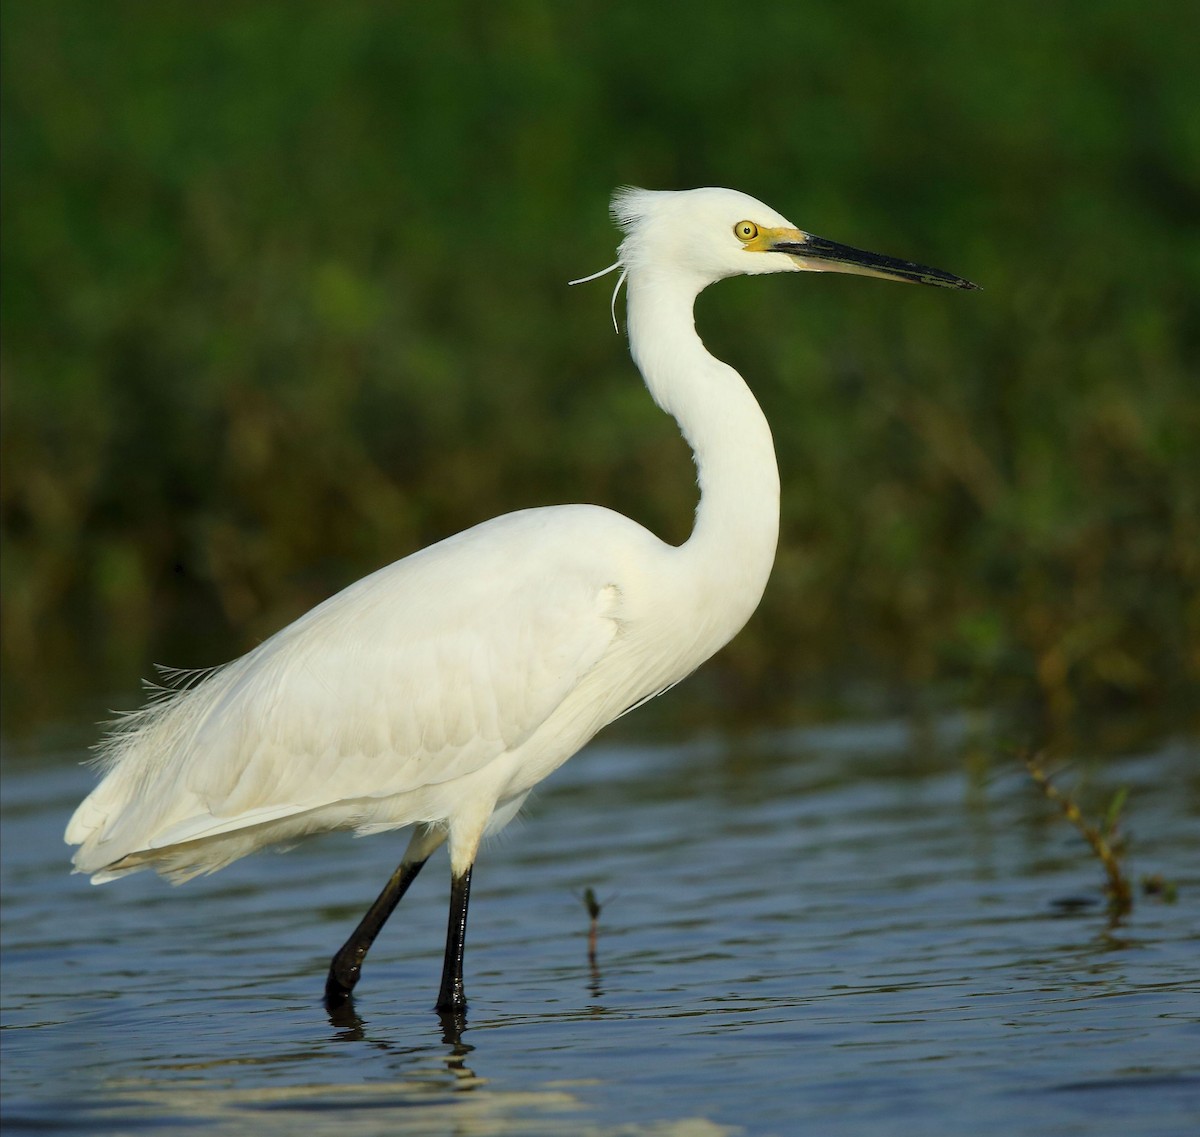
1104 839
593 909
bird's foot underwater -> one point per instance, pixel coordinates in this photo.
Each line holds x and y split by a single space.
454 1022
452 998
340 983
345 1018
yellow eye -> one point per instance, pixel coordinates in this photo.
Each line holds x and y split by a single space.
745 230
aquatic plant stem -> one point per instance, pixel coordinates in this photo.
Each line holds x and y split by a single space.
1118 889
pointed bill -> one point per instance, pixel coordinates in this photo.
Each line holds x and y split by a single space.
816 254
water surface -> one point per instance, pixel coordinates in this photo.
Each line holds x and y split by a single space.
835 931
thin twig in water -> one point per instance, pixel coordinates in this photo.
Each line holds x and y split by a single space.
1117 889
593 909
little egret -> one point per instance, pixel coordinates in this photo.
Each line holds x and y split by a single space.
437 692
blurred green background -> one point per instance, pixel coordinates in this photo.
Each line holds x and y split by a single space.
284 299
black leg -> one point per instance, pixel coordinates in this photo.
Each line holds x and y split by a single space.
346 967
452 997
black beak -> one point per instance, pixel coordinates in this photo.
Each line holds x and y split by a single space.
819 255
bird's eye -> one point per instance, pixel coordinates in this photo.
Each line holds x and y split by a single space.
745 230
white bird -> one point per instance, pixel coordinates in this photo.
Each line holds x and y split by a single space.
437 692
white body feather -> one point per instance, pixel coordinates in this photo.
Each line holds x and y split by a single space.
439 690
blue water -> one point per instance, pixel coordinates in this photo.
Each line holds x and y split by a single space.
852 930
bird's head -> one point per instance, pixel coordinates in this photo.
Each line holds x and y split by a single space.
704 235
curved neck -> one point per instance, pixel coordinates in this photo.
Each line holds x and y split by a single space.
732 546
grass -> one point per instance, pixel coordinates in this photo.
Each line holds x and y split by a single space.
1106 841
1103 839
284 299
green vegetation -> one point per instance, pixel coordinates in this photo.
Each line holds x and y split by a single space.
593 907
284 299
1107 843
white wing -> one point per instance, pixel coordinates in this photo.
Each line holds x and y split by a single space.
418 674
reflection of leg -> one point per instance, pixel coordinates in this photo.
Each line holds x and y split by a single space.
452 996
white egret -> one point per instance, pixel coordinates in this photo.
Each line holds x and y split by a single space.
436 692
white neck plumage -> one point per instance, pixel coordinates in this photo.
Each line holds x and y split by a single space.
732 546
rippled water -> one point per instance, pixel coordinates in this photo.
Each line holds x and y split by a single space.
836 931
